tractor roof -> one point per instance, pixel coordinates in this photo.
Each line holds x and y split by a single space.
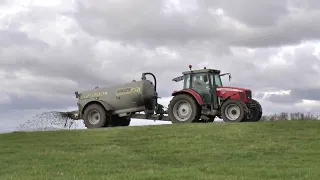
202 71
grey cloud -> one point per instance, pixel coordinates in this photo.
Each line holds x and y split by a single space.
298 72
11 37
251 12
270 23
4 2
284 99
306 93
151 26
292 29
270 107
61 71
57 64
307 4
296 96
30 102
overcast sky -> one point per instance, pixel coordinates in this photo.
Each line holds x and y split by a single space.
49 49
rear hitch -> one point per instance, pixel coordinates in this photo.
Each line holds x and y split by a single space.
74 115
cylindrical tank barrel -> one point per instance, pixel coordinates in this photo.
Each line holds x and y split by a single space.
129 95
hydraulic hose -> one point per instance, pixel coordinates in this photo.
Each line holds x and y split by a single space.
154 79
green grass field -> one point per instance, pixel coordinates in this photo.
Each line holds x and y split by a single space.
265 150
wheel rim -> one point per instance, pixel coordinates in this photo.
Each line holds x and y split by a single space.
182 110
232 112
94 117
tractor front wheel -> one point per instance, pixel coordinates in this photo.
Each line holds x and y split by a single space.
234 111
183 109
255 111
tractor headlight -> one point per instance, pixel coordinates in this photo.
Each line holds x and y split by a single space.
248 94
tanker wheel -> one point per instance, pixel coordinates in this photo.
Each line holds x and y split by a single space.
95 116
183 109
234 111
255 111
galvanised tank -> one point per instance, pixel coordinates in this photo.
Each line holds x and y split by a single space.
123 98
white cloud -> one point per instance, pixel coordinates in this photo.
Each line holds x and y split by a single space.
5 98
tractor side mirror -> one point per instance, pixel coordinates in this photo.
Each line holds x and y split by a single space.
230 77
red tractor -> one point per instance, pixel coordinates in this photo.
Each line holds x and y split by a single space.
203 98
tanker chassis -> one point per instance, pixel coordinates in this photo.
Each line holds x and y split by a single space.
202 99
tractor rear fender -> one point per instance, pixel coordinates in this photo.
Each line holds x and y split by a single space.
106 106
192 93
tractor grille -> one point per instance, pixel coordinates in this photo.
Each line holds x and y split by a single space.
249 94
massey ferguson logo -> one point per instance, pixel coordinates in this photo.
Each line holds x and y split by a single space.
224 90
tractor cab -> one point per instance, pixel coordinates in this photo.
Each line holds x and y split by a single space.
205 82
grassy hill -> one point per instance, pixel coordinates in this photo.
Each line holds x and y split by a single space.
265 150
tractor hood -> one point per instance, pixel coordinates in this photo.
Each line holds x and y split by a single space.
242 94
230 88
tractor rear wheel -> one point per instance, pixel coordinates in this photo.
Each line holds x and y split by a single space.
255 111
234 111
95 116
183 109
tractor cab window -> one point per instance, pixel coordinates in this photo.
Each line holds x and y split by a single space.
217 79
201 84
200 81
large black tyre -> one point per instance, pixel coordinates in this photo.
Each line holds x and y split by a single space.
125 121
95 116
234 111
255 111
120 121
184 109
211 119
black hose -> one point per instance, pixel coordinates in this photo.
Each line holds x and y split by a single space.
155 84
154 79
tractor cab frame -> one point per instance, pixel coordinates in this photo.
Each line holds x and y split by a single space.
205 82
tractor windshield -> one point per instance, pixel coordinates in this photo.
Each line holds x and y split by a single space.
217 79
201 78
199 81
